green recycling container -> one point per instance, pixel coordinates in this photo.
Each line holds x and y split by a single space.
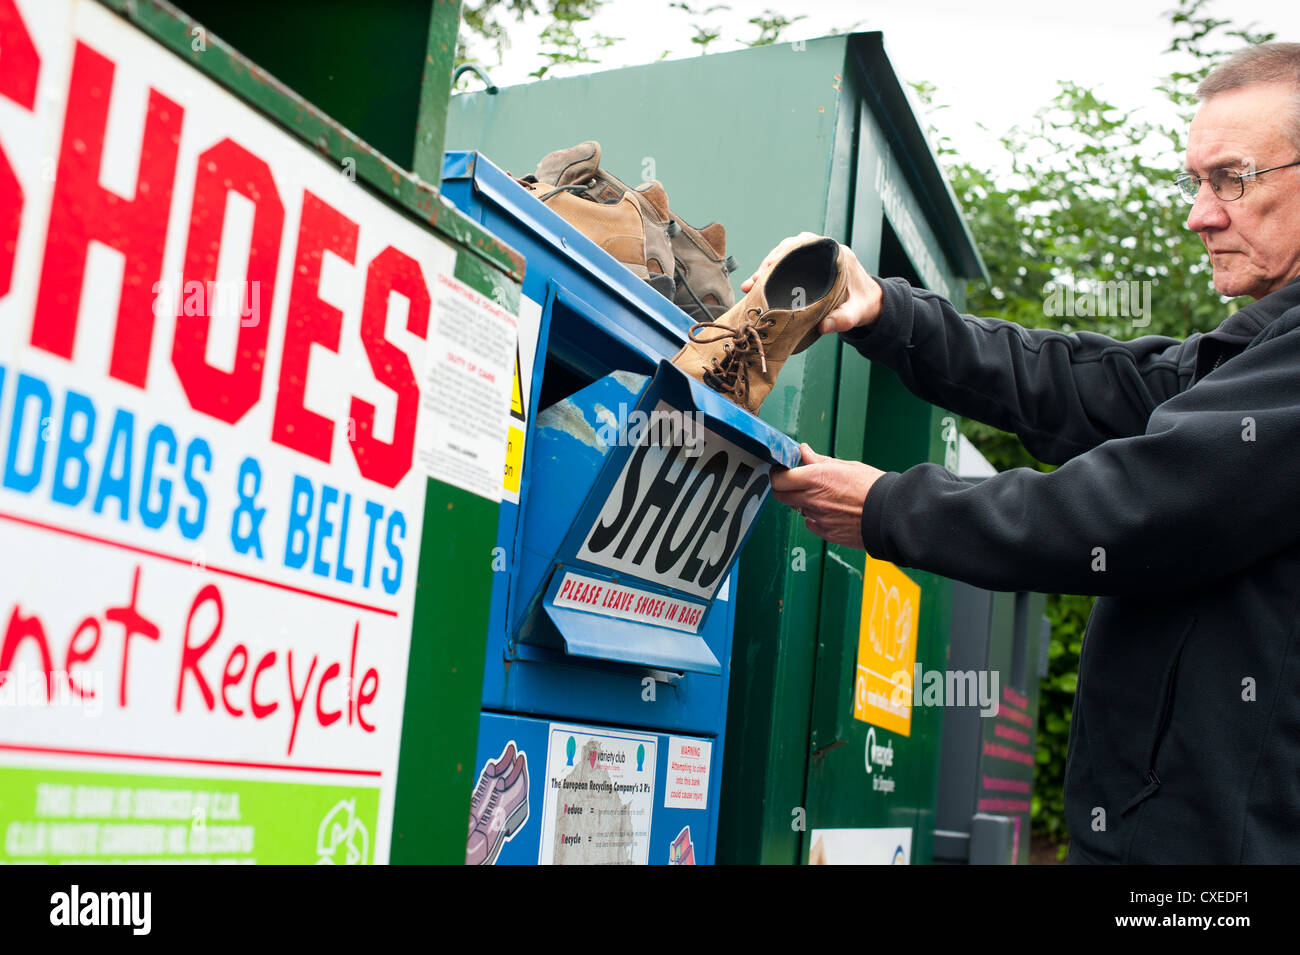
817 135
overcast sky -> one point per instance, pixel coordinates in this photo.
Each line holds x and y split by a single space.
994 62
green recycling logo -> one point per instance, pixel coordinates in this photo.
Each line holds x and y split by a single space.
342 838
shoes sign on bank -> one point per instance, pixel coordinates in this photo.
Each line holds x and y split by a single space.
211 503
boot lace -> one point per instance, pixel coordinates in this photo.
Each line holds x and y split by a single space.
730 374
574 188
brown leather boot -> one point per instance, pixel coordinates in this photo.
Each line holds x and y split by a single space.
616 227
703 268
578 168
658 223
577 165
741 354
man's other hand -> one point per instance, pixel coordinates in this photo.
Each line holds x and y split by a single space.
829 493
860 307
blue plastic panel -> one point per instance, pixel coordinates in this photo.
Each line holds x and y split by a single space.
596 317
582 451
648 819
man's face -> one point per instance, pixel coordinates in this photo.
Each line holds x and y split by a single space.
1254 241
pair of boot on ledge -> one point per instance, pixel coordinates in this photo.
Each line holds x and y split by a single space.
736 348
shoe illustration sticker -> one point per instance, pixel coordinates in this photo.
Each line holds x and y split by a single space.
681 851
600 790
499 807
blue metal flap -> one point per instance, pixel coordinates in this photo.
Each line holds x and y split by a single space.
626 641
579 460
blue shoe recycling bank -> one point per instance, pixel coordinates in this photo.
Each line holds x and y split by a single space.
631 489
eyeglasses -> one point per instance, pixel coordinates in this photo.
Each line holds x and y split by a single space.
1227 184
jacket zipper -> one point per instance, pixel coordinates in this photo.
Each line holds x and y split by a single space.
1166 713
1218 360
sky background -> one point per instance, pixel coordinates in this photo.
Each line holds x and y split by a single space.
994 63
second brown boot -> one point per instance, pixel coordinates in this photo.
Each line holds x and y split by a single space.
741 354
616 227
578 169
702 270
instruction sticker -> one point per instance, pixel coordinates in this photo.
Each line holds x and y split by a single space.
599 797
466 389
609 599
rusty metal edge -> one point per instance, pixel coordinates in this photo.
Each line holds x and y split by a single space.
255 86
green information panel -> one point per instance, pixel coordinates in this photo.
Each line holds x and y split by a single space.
62 817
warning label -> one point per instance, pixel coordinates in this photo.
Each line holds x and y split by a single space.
688 773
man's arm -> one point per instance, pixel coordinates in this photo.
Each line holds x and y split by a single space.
1208 491
1061 394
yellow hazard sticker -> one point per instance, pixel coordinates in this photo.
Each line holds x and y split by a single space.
530 317
514 460
517 396
515 439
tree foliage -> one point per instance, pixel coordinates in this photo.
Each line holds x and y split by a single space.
565 42
564 39
770 26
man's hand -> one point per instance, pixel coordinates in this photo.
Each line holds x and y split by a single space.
861 307
829 493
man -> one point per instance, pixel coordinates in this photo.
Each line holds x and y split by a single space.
1177 501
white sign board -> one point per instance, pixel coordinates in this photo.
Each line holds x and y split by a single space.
210 346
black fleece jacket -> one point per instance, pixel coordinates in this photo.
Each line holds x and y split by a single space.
1177 501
